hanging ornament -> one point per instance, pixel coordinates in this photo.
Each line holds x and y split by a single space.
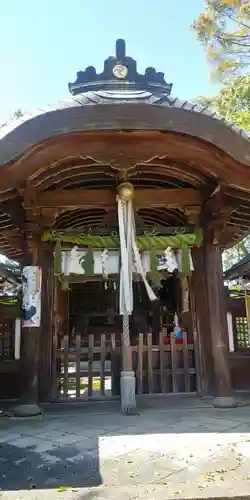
170 260
104 260
191 260
65 285
184 260
177 328
154 273
185 294
87 262
70 258
144 260
58 259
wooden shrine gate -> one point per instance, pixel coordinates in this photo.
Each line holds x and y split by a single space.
93 371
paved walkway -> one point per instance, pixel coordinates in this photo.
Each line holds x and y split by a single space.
185 451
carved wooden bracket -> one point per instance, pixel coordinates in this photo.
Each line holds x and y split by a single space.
13 208
14 238
193 214
216 211
40 218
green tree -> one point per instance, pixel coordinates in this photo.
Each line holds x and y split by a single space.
224 29
236 253
233 101
17 114
9 267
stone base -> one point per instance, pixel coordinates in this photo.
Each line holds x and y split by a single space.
224 402
29 410
128 402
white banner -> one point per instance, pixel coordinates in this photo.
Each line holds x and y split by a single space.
31 296
72 261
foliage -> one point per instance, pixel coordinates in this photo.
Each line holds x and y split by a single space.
233 101
17 114
10 280
236 253
224 29
233 104
11 267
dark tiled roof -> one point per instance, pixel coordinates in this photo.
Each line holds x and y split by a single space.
239 270
70 116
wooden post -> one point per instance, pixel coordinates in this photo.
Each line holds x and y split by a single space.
201 321
47 323
217 320
29 355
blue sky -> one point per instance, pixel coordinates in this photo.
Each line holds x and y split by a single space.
44 43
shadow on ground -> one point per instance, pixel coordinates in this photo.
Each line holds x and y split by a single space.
73 459
22 468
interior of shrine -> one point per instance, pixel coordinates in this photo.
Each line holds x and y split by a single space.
93 308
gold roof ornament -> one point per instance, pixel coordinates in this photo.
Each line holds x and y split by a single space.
126 191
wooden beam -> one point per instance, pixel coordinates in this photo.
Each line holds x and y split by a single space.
105 198
13 208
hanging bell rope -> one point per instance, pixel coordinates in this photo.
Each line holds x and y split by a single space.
129 250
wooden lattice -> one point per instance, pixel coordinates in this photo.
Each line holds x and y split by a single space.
242 333
7 339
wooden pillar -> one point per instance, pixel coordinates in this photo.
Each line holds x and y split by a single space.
29 352
217 320
201 313
46 336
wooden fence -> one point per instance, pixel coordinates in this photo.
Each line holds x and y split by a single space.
7 339
93 371
237 307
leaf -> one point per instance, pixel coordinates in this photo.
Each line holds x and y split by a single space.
223 27
233 101
62 489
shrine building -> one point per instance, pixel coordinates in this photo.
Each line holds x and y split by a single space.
118 203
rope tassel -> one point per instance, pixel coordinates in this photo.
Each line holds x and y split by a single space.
129 251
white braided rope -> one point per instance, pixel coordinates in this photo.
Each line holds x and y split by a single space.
125 329
126 290
104 259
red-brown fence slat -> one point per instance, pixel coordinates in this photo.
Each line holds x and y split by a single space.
173 363
162 334
90 365
150 365
66 366
114 364
54 391
78 366
140 364
185 362
102 364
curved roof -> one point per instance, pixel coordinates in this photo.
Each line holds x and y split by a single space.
114 122
141 110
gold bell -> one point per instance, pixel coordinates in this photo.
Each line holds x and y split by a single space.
126 191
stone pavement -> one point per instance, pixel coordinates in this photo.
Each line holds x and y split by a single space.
186 450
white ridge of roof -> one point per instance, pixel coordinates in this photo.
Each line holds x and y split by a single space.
112 97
